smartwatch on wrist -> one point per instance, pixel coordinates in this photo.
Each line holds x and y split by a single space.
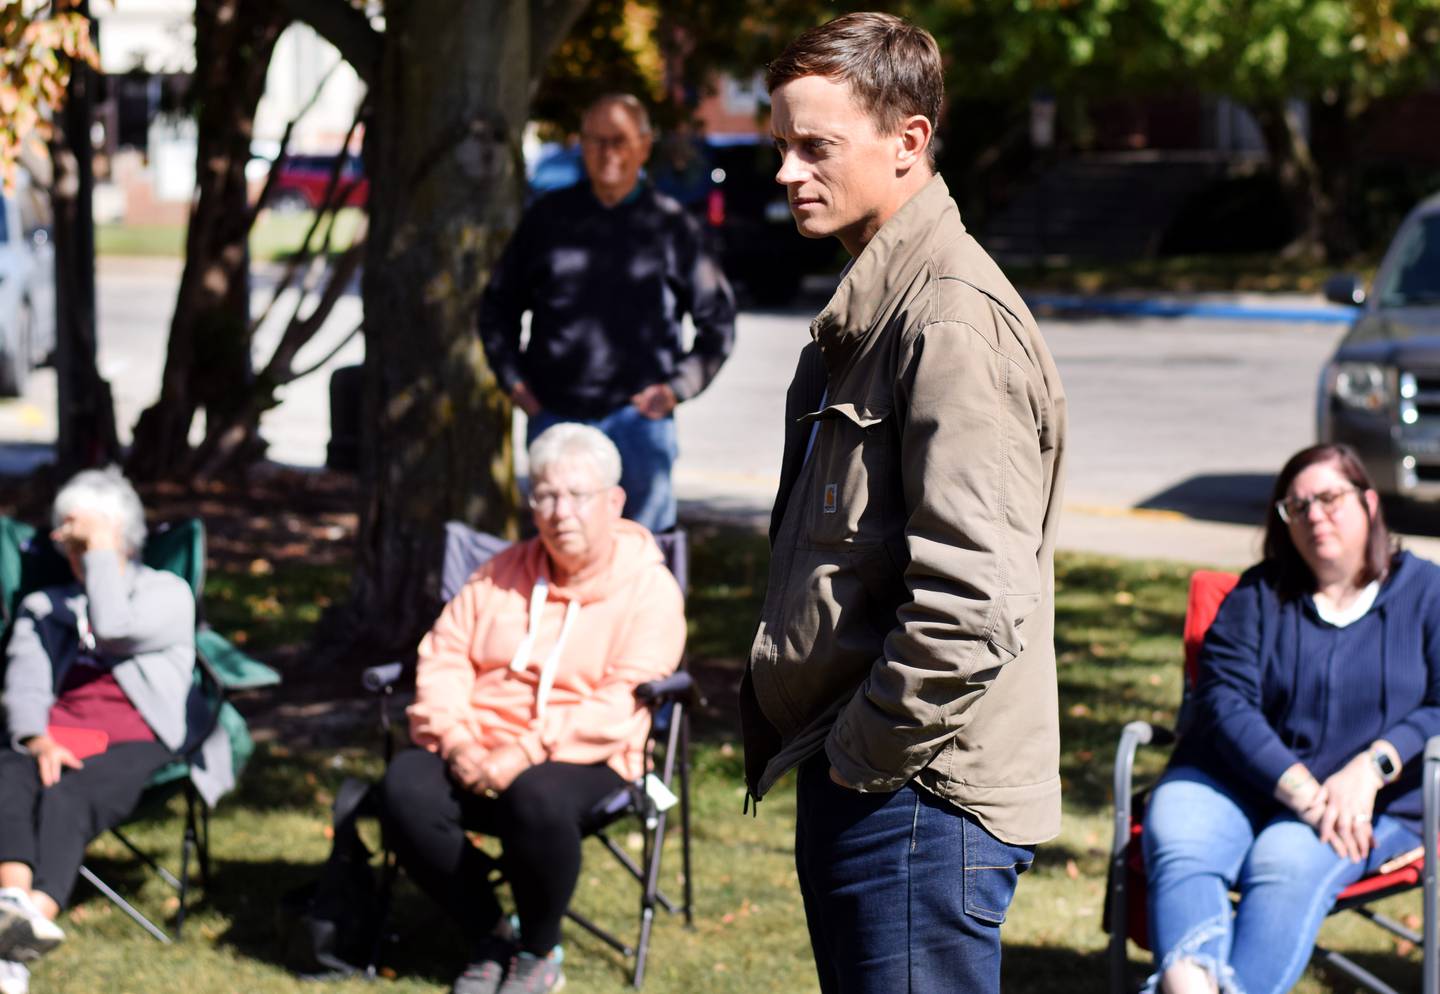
1384 766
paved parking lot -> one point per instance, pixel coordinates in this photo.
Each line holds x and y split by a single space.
1176 424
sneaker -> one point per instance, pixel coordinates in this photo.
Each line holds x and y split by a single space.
25 934
482 975
531 974
14 978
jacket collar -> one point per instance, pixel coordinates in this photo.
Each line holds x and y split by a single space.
884 267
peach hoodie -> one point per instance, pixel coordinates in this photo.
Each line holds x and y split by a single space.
628 627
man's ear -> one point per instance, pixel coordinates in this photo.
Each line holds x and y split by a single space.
915 135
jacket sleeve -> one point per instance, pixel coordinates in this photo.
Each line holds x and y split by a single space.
611 719
1229 705
156 614
441 717
29 675
1409 734
706 295
504 302
975 492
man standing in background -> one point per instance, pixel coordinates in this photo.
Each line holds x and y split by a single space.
608 270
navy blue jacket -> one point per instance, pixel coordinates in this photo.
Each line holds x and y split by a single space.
607 288
1278 685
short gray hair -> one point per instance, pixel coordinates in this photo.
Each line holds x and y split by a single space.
107 492
631 105
569 441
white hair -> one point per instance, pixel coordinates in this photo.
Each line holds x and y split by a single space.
107 492
569 441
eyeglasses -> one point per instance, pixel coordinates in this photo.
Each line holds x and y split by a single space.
1293 509
600 144
546 501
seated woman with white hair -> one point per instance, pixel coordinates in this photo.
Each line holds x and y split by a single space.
525 713
97 675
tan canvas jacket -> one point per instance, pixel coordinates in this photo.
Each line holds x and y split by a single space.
908 625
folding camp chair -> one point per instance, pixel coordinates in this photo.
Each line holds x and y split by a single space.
29 562
1125 906
667 758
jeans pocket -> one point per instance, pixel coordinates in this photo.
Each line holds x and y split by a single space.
992 868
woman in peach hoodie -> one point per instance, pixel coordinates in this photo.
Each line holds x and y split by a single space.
525 713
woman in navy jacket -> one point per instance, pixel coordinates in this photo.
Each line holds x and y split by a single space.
1319 684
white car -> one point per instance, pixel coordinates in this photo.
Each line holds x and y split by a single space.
27 286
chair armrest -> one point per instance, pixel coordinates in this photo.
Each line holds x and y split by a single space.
1134 735
678 686
382 677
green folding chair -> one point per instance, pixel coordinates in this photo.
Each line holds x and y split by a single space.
29 562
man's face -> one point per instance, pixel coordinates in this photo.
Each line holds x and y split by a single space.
839 172
614 150
574 513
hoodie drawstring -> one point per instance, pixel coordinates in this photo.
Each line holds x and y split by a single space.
521 660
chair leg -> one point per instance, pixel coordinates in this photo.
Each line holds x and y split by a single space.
689 904
390 867
187 846
124 905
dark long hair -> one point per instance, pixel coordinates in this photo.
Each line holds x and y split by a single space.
1293 576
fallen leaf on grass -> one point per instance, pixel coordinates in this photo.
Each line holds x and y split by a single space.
1079 711
261 567
1072 869
1124 597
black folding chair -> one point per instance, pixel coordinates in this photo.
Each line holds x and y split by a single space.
667 760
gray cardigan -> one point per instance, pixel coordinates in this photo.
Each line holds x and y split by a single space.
143 623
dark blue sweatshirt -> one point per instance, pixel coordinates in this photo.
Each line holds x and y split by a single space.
607 288
1278 685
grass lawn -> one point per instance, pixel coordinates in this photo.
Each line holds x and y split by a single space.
1118 642
276 235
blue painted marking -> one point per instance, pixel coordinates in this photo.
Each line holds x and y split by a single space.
1324 314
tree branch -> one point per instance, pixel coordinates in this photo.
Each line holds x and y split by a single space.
550 22
347 29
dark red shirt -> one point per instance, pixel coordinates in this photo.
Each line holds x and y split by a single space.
90 697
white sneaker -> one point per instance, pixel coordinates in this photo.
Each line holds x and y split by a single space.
14 978
25 933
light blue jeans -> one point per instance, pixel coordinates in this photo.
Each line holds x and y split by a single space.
648 448
1203 840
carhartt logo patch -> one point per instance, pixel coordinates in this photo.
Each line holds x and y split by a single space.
832 498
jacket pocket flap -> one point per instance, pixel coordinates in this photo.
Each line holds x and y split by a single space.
861 417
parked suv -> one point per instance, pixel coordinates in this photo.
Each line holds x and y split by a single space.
27 286
1380 392
302 180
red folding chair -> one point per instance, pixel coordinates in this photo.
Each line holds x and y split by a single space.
1125 906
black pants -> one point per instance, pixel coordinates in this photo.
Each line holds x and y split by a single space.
49 827
537 820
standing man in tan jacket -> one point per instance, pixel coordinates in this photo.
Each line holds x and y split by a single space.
905 659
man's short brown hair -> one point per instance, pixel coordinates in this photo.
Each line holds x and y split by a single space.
892 66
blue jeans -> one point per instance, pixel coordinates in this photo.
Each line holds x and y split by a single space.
903 891
1202 840
648 449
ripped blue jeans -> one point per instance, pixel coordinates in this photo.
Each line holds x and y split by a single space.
1203 840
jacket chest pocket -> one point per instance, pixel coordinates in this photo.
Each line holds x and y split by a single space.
852 468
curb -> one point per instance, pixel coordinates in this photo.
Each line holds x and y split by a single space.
1067 304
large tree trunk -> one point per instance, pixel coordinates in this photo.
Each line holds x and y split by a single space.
86 409
207 363
442 151
1306 197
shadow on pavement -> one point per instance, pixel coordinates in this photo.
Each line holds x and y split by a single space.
1231 498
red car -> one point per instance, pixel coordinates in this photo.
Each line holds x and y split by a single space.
302 180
